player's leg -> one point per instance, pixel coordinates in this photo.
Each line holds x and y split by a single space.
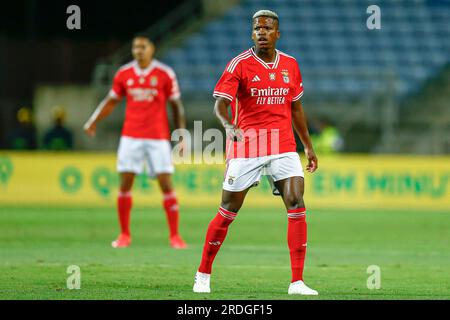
218 227
292 190
129 163
159 161
170 204
241 174
215 236
124 205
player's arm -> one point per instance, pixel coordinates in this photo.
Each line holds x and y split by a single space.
179 119
221 112
301 127
101 112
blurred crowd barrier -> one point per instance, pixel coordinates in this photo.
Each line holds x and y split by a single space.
342 181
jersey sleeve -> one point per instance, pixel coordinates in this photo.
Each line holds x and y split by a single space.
228 84
298 83
118 90
172 88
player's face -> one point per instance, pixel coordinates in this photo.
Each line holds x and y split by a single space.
142 49
265 33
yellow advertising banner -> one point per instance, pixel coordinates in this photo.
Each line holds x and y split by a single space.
345 181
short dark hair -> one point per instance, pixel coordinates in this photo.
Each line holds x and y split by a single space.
142 35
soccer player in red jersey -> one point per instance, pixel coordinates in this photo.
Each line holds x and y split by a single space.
263 86
147 85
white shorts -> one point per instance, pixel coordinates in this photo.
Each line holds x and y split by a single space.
135 155
243 173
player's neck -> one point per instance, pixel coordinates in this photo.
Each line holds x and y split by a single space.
267 55
144 64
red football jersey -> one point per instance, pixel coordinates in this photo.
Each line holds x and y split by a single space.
261 95
147 92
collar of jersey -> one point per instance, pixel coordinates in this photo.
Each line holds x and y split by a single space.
275 63
143 72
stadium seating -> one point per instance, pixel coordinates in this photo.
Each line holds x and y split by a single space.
331 42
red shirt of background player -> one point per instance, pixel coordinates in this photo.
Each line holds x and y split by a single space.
146 92
261 96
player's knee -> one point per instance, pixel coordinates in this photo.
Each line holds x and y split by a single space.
125 189
126 186
165 183
126 182
166 188
294 202
230 206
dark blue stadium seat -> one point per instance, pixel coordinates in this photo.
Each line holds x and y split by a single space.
324 36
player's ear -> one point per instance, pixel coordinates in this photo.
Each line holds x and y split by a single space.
152 47
253 34
278 29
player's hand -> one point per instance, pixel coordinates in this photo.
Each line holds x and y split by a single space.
182 148
233 132
313 163
90 129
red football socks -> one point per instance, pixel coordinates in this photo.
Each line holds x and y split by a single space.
124 204
296 237
171 207
217 231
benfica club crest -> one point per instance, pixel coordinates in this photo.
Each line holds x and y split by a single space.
285 74
154 81
230 180
272 76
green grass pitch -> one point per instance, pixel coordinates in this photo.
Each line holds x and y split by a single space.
38 244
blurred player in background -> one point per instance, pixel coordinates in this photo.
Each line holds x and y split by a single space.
147 85
264 87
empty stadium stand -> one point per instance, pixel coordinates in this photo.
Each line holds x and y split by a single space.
328 38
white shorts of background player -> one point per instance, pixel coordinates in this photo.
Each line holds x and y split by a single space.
134 155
